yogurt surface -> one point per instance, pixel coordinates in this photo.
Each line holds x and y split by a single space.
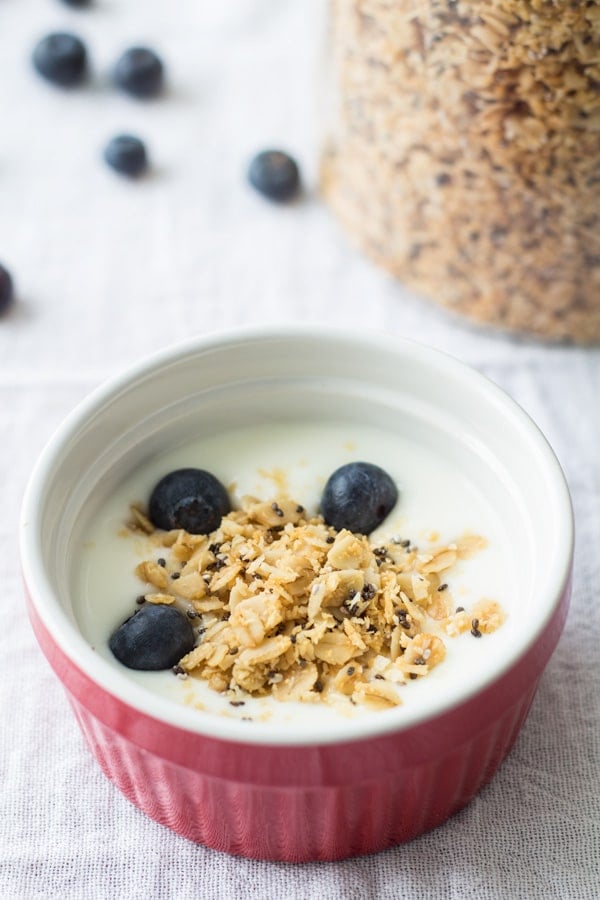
438 503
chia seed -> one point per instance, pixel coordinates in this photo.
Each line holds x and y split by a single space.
339 613
404 619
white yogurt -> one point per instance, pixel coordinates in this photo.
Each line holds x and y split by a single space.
435 499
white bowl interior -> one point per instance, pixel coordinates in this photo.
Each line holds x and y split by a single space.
295 375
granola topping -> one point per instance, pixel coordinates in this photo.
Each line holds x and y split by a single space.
286 606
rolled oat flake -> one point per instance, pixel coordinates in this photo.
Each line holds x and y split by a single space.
463 153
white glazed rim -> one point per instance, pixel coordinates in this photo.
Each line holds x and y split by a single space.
110 679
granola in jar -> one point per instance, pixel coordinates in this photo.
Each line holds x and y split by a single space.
463 154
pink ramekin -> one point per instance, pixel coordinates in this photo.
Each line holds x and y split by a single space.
258 789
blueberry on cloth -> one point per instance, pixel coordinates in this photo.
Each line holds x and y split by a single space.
61 58
127 155
275 175
140 72
358 496
191 499
76 3
155 637
6 289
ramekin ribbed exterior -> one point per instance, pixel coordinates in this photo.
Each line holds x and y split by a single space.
302 803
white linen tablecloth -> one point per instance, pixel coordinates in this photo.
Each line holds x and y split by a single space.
108 271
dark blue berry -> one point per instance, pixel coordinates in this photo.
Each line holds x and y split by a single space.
126 154
155 637
275 175
76 3
358 496
61 58
191 499
6 289
140 72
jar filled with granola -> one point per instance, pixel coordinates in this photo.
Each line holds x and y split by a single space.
463 153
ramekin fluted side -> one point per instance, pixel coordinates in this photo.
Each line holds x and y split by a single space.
297 824
301 802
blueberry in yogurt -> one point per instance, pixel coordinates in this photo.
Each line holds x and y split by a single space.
61 58
154 638
358 496
192 499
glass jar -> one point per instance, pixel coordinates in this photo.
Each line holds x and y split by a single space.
463 153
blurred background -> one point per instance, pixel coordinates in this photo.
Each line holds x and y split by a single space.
108 269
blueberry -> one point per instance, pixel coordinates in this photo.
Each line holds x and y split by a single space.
275 175
126 154
189 498
155 637
61 58
76 3
6 289
140 72
358 496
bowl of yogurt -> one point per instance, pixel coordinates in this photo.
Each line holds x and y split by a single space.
333 687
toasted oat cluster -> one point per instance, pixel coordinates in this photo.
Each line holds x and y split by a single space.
465 153
289 607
